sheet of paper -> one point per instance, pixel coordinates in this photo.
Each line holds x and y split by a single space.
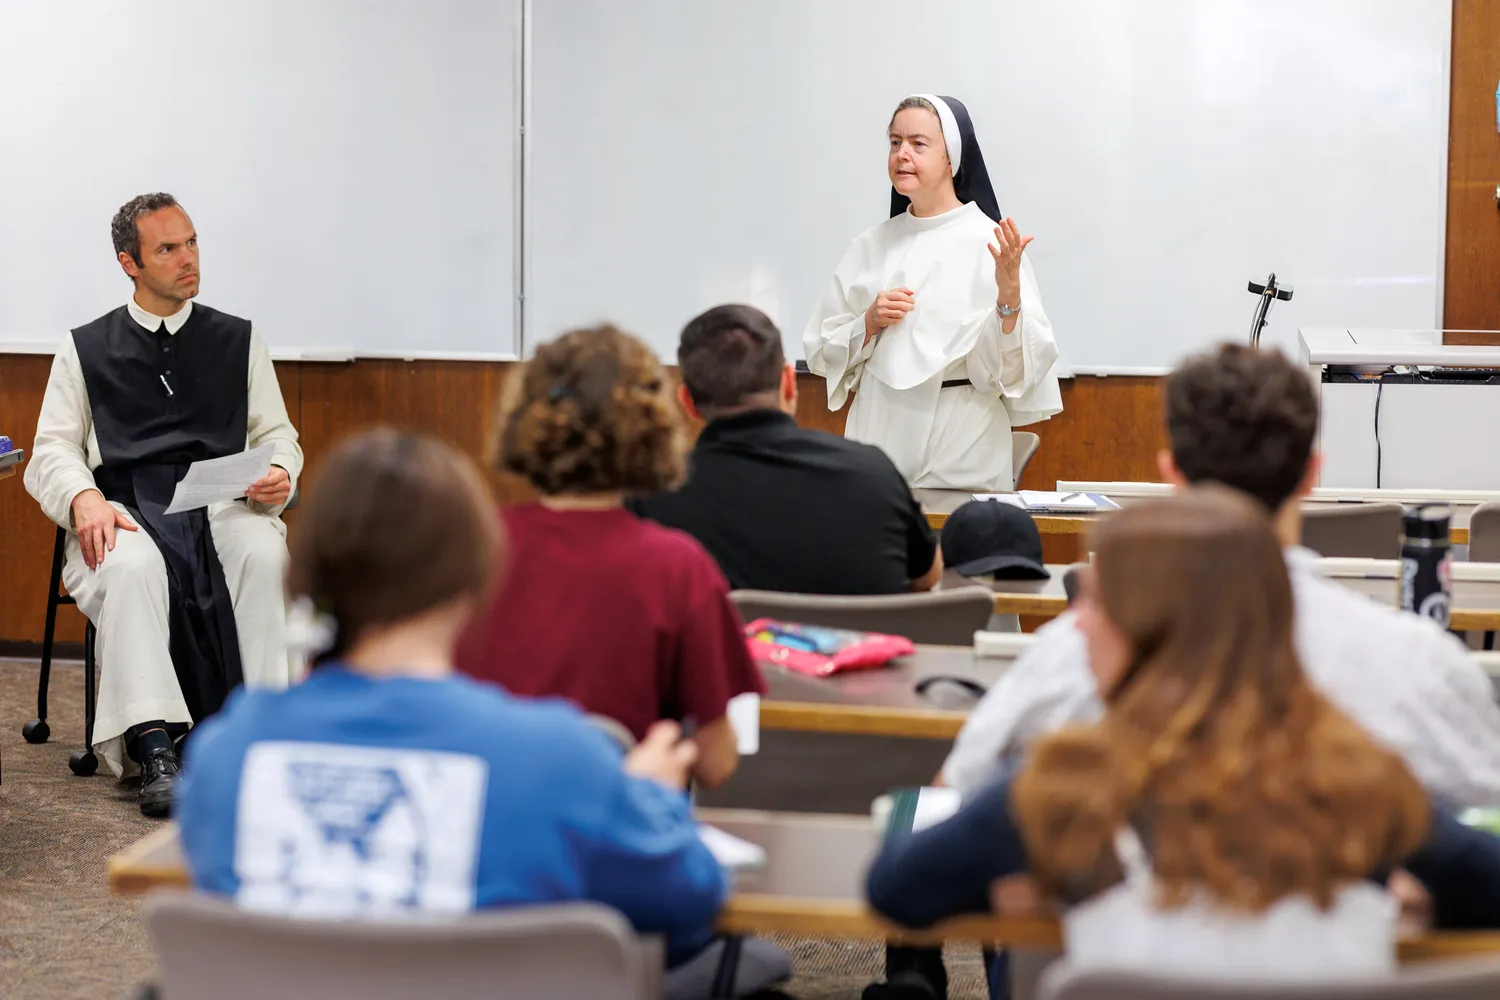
1040 498
932 806
731 852
744 719
215 480
1007 498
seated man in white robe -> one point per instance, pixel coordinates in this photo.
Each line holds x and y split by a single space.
188 605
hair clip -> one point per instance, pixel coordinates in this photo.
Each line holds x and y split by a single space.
309 632
558 391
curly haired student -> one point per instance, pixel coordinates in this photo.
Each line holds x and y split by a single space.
627 618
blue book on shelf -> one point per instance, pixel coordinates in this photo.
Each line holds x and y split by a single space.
5 444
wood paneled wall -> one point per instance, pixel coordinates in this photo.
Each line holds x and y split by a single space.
1471 278
1110 430
326 402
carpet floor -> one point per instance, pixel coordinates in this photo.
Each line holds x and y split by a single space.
64 937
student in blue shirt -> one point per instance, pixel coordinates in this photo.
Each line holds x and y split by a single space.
386 786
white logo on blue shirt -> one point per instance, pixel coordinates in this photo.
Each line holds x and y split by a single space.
327 830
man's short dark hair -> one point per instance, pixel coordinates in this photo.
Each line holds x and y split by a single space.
729 353
127 235
1245 418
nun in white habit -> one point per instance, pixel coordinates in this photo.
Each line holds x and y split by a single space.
947 344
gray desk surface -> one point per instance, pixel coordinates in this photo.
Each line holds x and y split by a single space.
894 685
882 701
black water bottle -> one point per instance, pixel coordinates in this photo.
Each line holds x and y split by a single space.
1426 573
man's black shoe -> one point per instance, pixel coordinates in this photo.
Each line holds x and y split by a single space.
159 773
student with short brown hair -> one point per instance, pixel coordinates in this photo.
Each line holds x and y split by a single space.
386 786
629 619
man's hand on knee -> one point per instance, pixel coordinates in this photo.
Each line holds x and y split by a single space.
95 520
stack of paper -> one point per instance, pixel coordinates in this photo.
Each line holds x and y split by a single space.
1012 499
731 852
215 480
1066 502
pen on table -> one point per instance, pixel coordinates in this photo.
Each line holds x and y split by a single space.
167 385
1065 499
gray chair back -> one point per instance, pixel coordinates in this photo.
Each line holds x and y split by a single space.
947 617
1457 980
1023 444
208 949
614 729
1484 533
1367 530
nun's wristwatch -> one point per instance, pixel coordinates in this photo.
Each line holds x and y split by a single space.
1005 311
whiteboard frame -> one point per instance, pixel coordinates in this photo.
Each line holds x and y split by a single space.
523 194
1447 111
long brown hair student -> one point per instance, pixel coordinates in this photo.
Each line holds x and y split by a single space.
1243 782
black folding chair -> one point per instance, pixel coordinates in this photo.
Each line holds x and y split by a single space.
82 762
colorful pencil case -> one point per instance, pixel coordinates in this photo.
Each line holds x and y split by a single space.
819 652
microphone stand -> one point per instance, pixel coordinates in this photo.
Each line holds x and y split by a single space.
1267 292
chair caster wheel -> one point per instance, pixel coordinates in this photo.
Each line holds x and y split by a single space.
83 763
36 731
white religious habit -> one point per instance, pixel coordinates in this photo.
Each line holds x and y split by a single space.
127 596
954 438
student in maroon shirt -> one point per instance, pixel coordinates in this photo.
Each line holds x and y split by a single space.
627 618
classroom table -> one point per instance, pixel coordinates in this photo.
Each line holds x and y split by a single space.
1476 603
812 885
938 504
883 701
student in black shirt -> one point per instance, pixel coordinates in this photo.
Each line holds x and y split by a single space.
783 508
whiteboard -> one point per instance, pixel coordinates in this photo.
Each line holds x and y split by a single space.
351 166
1162 151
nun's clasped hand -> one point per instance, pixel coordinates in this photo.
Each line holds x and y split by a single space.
1007 249
888 309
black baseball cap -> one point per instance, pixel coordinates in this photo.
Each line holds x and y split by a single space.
987 537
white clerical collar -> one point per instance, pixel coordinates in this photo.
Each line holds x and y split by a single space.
152 322
936 221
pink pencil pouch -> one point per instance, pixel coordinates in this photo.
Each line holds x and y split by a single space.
820 652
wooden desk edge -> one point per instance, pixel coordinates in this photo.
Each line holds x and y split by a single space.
756 913
869 720
1046 524
1038 605
132 871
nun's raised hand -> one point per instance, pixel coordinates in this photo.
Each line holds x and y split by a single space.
1007 249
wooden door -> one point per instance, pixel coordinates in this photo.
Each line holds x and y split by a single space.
1471 289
